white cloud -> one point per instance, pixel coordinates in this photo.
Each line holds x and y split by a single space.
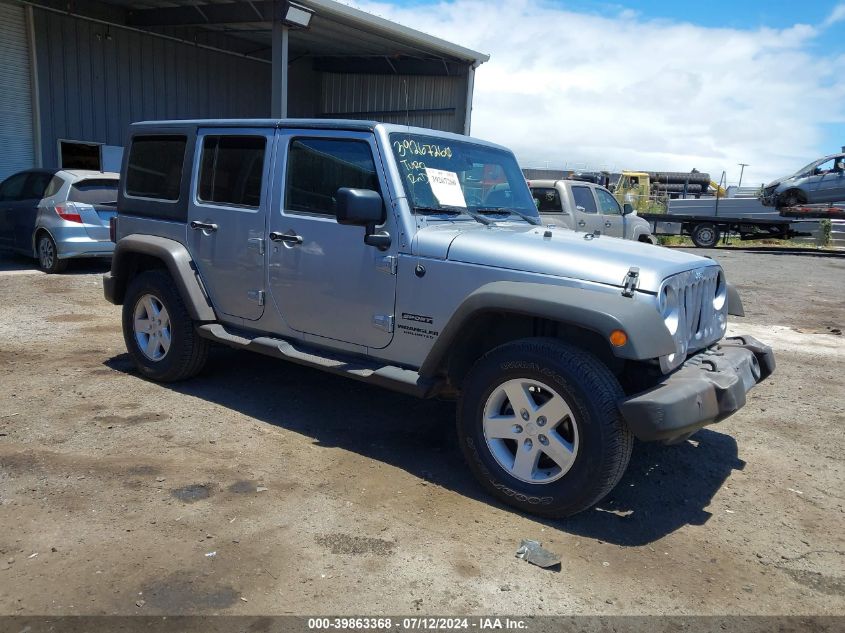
837 15
567 88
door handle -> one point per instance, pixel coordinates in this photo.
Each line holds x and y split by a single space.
582 223
608 224
286 238
203 226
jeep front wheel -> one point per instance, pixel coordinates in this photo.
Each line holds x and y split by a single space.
158 330
539 427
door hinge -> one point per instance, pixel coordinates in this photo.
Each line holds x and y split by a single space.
383 322
257 296
631 281
256 243
387 264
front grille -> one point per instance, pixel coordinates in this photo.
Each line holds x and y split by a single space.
699 312
701 315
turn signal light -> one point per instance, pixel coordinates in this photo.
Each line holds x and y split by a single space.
618 338
68 212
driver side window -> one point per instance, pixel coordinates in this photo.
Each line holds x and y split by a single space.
607 203
318 167
825 168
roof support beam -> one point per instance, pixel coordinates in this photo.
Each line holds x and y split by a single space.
470 89
384 65
190 15
279 75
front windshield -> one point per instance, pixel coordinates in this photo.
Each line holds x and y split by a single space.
448 175
806 171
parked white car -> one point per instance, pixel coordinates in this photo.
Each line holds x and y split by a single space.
54 215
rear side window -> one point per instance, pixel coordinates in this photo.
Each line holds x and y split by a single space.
547 200
154 169
317 168
231 170
36 186
53 188
584 198
92 191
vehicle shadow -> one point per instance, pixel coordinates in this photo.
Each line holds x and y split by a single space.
14 262
664 488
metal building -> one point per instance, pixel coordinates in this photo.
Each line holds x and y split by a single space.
74 74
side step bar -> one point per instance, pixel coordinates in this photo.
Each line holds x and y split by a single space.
389 376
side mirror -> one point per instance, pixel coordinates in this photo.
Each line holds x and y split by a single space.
363 207
627 208
359 207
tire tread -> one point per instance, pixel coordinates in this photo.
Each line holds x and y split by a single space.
598 381
192 354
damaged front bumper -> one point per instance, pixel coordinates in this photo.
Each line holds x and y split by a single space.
769 197
707 388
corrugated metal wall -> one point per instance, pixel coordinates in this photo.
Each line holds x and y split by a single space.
16 146
94 80
439 102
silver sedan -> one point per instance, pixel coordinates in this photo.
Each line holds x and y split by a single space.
55 215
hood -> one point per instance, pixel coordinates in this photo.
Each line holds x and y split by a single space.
602 259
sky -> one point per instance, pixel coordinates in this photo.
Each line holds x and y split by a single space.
650 85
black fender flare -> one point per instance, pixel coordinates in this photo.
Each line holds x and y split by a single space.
600 312
176 259
735 307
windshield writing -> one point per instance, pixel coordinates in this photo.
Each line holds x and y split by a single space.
449 175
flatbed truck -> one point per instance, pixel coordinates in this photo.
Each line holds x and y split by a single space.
705 229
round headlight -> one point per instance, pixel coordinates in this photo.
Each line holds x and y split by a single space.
721 295
670 308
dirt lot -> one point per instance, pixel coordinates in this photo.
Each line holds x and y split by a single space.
265 488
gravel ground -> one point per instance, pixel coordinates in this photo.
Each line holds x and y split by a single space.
265 488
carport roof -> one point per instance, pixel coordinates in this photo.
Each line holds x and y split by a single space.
335 30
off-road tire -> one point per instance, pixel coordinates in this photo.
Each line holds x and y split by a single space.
188 351
589 389
705 235
48 254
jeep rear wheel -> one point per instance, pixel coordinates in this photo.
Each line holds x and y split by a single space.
539 427
158 330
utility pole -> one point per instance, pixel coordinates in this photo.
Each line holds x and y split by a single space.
741 171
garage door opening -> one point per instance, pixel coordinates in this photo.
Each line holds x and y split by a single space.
78 155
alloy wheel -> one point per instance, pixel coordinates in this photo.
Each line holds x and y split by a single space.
530 430
151 326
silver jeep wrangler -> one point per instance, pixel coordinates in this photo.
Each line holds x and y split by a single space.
416 260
